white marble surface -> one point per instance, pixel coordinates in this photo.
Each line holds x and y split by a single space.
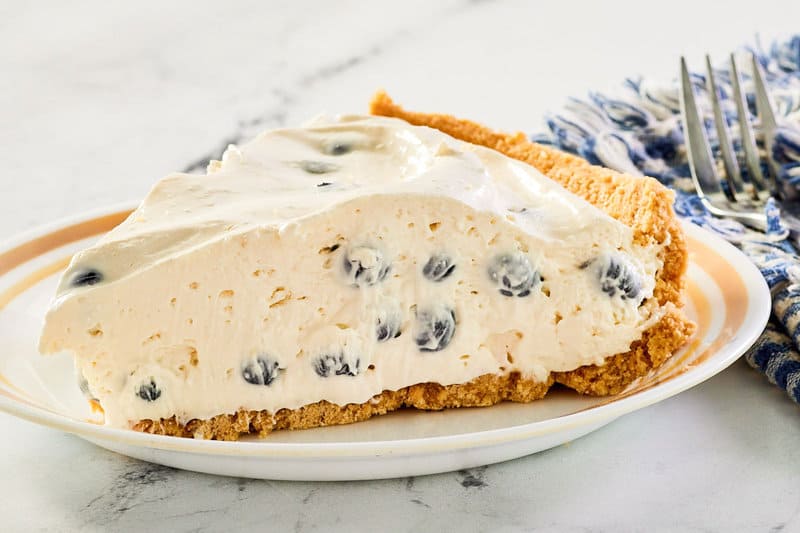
97 101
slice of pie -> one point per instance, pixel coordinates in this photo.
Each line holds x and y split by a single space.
326 274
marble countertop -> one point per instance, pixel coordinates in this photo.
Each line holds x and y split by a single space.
99 101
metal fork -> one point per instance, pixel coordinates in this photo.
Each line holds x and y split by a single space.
737 200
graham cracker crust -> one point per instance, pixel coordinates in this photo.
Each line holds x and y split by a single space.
485 390
641 203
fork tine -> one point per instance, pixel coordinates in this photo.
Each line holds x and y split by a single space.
766 117
749 147
732 174
700 161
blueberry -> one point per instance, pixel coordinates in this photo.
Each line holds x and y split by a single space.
617 277
260 371
338 148
388 323
318 167
514 274
336 363
365 266
438 267
325 364
149 392
88 276
435 328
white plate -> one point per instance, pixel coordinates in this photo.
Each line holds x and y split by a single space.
726 296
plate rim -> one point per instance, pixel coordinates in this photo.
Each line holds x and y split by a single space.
755 320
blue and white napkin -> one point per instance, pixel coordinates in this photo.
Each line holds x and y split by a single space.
639 132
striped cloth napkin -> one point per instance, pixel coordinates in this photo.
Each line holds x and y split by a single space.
639 132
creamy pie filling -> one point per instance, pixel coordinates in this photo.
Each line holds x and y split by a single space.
339 260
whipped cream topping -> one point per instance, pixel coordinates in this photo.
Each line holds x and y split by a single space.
335 261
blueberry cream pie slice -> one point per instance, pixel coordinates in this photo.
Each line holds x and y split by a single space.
326 274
